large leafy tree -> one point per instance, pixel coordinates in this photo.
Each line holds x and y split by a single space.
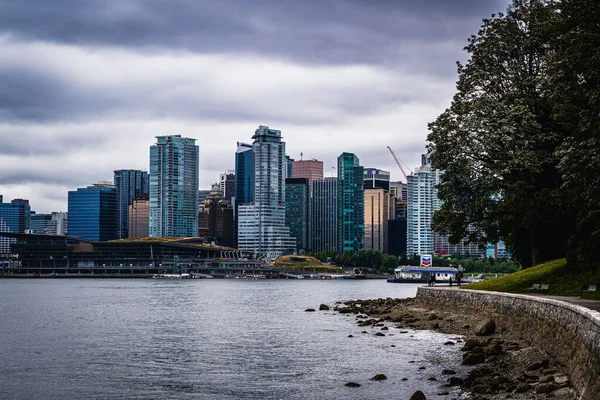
575 75
498 141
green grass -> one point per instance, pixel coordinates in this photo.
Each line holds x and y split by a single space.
562 280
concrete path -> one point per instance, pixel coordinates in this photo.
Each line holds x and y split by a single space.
591 304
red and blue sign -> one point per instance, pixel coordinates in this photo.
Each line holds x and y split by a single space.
426 260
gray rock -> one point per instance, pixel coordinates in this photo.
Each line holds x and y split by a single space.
323 307
310 310
546 387
418 395
473 359
470 344
448 372
353 384
380 334
486 327
379 377
454 381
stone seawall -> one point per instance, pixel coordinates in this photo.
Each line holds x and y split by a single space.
568 333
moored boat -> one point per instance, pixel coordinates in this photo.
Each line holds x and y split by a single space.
412 274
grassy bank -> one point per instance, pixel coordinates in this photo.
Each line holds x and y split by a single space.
562 280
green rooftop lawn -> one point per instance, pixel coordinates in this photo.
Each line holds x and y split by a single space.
562 280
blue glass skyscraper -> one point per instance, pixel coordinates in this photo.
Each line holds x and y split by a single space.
351 204
93 212
174 181
130 185
244 174
14 217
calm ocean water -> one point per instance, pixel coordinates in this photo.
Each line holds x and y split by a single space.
206 339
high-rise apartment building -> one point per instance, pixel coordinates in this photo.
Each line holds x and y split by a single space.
351 203
422 203
297 210
15 217
400 192
324 218
261 224
139 219
377 214
308 169
174 180
93 212
130 185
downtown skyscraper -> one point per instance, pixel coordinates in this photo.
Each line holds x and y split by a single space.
422 203
130 185
261 223
174 180
351 204
324 216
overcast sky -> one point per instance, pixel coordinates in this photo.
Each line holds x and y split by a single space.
86 85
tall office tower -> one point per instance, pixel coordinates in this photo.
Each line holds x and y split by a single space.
15 217
309 169
174 183
216 219
376 178
244 181
130 185
422 203
351 203
297 210
40 223
324 218
93 212
377 214
261 224
227 184
139 219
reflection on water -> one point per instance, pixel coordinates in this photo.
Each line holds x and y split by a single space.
206 339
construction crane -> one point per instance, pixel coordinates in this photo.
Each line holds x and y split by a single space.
399 163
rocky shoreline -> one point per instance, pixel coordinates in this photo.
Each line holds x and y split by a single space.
503 365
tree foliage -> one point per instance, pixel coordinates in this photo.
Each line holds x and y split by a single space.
513 144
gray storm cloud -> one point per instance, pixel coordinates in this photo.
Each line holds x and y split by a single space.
85 86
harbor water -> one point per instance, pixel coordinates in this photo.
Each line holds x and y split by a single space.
208 339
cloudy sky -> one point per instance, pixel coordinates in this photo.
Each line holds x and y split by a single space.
86 85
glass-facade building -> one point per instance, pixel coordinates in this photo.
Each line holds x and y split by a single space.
139 219
130 185
377 214
297 210
422 202
93 212
351 204
324 218
174 180
14 217
261 224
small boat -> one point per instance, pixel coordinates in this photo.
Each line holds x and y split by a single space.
171 276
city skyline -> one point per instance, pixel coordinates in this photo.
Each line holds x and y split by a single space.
340 77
